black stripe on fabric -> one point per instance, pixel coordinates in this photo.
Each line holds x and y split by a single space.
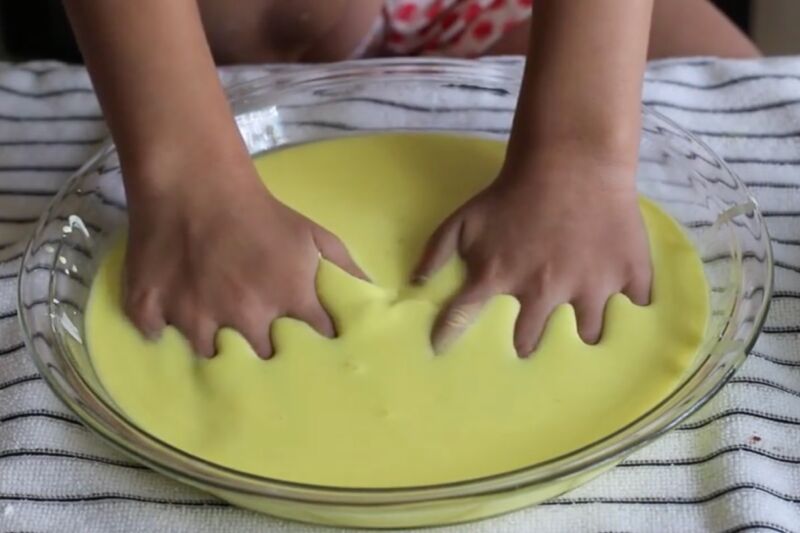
40 71
19 381
349 127
76 277
761 161
384 102
771 185
54 118
679 64
65 454
110 496
786 295
694 461
8 314
61 301
780 330
746 134
37 168
497 91
46 94
787 242
676 500
747 295
105 200
51 142
93 497
761 415
102 171
764 383
723 84
774 360
89 225
752 526
724 110
75 247
786 266
778 295
11 349
768 214
18 220
40 413
27 192
728 256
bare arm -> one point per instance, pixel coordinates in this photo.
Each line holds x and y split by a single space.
583 76
561 223
199 216
155 78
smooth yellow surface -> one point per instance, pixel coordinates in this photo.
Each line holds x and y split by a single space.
375 407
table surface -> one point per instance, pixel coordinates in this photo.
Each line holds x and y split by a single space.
734 466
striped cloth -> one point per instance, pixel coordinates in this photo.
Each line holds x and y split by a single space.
735 466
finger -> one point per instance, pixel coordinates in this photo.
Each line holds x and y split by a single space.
638 289
143 308
200 331
534 313
255 328
312 313
459 314
589 311
335 251
320 320
440 247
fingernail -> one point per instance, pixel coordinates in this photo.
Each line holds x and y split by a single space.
455 323
152 336
443 341
524 353
419 279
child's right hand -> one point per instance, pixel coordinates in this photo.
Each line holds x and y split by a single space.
218 250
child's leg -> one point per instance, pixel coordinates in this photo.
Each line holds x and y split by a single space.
696 27
679 28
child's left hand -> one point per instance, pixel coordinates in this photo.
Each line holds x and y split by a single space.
564 229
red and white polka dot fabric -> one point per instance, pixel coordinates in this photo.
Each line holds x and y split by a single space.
457 28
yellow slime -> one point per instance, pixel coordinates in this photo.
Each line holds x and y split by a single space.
375 407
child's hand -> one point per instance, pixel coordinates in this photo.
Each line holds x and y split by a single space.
224 253
563 231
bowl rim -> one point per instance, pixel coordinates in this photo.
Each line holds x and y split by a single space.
213 476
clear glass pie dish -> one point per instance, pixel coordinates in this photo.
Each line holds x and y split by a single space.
473 98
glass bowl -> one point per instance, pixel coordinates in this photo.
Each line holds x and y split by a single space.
475 98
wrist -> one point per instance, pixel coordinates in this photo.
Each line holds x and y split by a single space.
180 161
571 164
189 179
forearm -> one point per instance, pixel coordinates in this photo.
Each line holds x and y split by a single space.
155 79
583 77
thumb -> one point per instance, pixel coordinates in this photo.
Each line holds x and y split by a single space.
459 314
335 251
440 247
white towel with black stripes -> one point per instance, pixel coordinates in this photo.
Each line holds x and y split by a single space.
735 466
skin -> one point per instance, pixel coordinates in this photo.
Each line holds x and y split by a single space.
560 224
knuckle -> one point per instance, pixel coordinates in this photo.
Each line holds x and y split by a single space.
490 272
545 278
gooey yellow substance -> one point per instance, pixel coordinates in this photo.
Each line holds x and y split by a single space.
375 407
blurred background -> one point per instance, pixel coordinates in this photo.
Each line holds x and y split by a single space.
38 30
